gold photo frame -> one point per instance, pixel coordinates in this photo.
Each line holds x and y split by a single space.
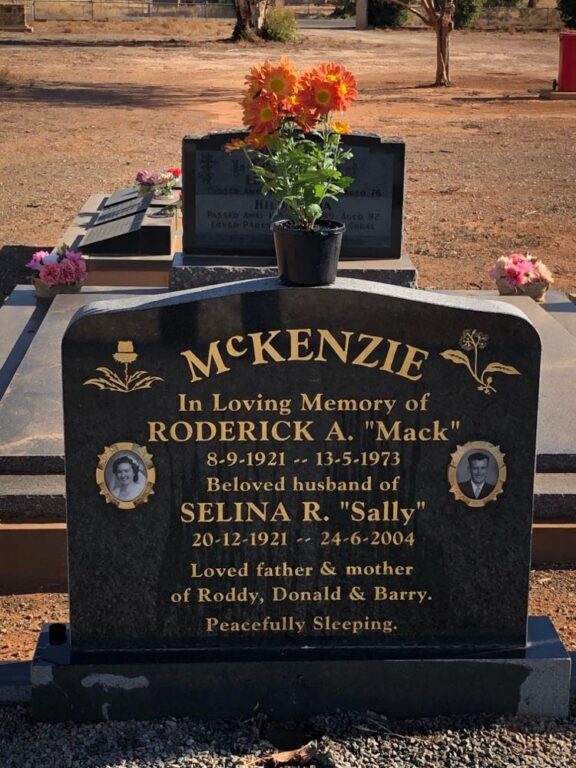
118 475
487 461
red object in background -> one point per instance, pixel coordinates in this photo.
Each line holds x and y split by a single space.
567 67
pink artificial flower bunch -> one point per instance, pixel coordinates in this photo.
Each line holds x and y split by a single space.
519 269
62 266
159 183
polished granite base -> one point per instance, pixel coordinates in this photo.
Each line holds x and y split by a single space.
533 681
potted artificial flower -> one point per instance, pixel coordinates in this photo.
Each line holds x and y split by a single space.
522 274
294 149
160 185
62 270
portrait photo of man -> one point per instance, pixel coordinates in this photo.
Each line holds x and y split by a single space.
477 467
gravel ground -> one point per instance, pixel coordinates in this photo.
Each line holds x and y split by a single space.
339 741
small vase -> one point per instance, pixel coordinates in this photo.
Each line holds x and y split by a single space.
44 291
307 256
166 198
536 290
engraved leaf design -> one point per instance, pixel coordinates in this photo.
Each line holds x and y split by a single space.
146 383
455 356
135 375
113 377
500 368
105 384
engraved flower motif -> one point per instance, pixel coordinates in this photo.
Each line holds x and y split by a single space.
473 339
125 352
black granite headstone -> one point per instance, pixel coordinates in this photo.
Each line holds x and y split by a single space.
225 213
283 472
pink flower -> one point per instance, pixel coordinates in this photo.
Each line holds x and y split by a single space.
146 178
73 255
517 258
80 266
50 274
67 271
37 259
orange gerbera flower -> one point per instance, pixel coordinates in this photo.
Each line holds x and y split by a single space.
343 79
280 79
234 144
328 88
261 114
259 140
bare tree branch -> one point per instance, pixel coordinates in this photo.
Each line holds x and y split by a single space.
410 8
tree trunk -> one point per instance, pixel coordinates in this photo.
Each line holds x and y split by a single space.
250 16
444 25
442 55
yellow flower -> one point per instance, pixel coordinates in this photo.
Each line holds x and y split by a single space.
339 126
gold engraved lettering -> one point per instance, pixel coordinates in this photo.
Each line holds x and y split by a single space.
380 569
325 594
399 433
306 344
352 626
214 358
388 512
230 431
296 343
362 358
260 347
403 595
237 512
327 338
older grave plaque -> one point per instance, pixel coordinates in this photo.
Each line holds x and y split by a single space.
278 501
225 213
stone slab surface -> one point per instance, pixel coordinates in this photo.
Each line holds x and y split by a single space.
562 309
555 497
15 684
199 271
556 442
32 498
533 682
20 318
31 410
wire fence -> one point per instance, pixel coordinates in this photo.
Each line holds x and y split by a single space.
107 10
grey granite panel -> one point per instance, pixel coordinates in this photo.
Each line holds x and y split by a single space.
200 271
31 409
562 309
20 317
555 497
533 682
32 498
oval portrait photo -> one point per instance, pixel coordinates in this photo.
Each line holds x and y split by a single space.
477 473
125 475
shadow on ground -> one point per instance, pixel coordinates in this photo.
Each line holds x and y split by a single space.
114 95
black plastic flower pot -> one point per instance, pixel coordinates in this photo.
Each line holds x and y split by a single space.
307 257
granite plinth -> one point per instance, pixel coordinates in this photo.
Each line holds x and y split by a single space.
202 271
533 681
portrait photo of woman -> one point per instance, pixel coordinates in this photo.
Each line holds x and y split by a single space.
125 476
